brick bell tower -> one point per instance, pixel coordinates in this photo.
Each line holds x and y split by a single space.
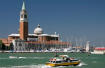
23 23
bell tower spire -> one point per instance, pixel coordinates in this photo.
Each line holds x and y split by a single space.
23 14
23 23
23 7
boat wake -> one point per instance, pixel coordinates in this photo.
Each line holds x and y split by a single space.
30 66
82 64
15 57
42 66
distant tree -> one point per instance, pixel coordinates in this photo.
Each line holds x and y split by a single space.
11 46
3 47
0 44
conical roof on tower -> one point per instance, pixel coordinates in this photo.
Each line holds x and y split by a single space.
23 7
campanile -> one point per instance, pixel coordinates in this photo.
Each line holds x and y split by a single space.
23 23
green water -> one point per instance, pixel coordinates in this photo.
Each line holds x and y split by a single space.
37 60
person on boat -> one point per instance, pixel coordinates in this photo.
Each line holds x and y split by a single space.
67 59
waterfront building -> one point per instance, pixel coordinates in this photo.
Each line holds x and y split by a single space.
23 41
98 50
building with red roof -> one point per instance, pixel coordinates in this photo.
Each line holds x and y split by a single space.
99 50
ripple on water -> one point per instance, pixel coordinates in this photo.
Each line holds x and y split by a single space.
94 61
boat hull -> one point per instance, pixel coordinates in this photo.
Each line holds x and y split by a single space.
63 64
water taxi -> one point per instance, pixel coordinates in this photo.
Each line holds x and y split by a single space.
62 60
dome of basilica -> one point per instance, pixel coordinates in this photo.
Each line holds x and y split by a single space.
38 30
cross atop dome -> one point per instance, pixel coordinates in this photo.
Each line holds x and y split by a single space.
38 25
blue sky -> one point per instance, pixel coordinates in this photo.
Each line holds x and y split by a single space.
70 18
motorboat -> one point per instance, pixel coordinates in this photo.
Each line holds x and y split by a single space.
62 60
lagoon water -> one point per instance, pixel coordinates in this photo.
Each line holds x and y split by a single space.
38 60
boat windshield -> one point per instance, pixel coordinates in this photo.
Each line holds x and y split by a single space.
58 61
55 61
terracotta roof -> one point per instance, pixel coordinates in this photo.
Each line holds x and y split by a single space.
99 48
5 41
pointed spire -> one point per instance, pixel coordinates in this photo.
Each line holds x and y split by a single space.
23 7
